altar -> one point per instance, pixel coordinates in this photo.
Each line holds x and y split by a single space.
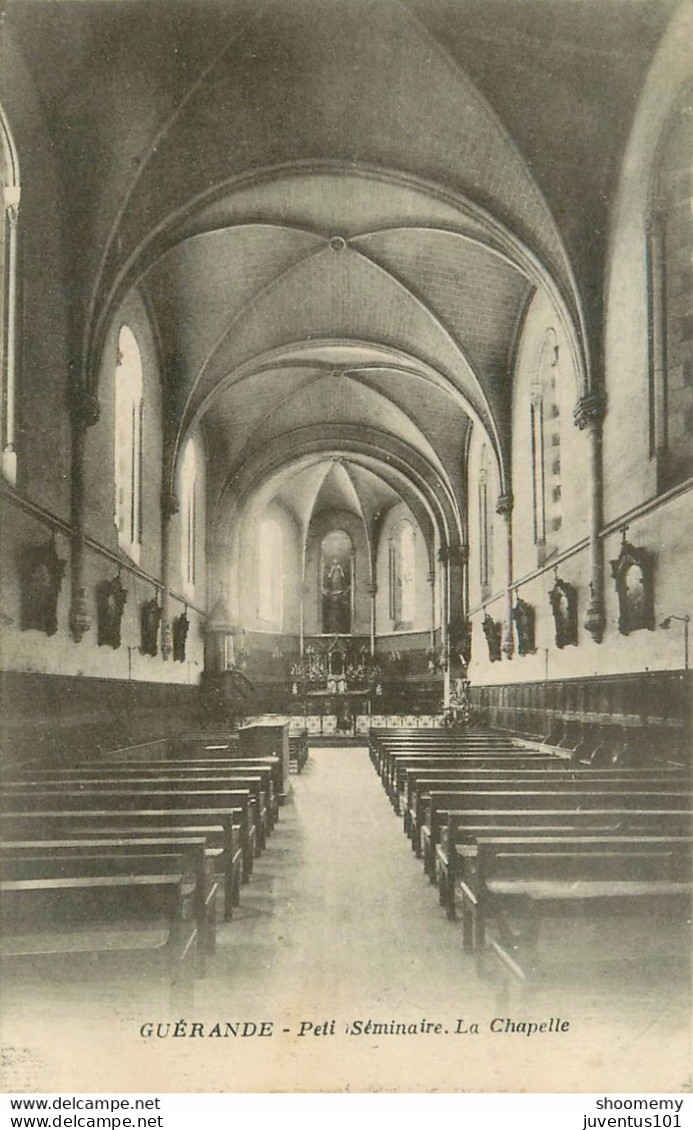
335 682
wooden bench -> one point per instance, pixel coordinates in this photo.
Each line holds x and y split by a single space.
141 923
181 782
382 748
408 773
104 855
140 797
219 827
387 754
571 796
524 879
463 828
423 817
395 761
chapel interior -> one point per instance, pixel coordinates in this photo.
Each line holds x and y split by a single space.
347 379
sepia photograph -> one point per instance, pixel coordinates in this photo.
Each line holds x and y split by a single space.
346 469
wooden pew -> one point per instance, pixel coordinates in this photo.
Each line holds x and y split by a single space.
409 771
142 923
570 796
424 818
158 779
463 828
382 748
140 797
397 764
388 753
409 777
104 855
220 828
594 875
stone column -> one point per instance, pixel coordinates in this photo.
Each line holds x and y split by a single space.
372 591
11 198
169 507
444 561
464 560
505 509
456 581
84 411
658 425
432 583
589 414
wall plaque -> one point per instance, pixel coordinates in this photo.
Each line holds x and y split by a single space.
632 572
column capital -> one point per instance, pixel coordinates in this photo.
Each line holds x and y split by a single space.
589 411
84 407
444 555
372 589
505 503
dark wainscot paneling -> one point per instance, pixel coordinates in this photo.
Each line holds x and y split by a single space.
60 718
644 715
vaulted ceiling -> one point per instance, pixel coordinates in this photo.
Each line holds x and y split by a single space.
337 213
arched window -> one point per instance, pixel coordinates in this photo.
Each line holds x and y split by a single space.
485 526
188 512
545 437
670 261
10 195
270 572
402 561
129 410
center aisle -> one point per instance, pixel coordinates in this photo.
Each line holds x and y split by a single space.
338 910
338 925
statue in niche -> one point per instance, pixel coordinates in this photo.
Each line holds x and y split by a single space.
150 617
181 627
524 617
110 602
563 600
632 572
41 574
492 631
336 594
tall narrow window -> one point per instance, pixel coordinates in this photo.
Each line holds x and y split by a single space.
402 563
485 526
270 572
670 262
188 494
9 218
545 449
129 410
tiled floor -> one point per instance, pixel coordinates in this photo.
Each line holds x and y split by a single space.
338 927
